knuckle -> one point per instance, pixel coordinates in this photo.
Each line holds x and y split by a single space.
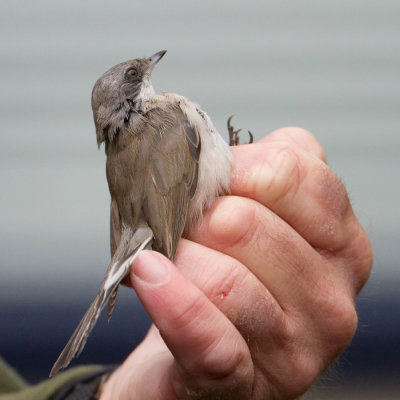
233 364
232 223
347 322
286 177
303 138
340 318
348 242
330 194
223 371
360 257
303 370
285 331
306 355
301 362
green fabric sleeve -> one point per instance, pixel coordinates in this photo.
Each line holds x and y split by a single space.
10 381
13 387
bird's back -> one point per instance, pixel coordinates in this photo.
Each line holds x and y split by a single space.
152 171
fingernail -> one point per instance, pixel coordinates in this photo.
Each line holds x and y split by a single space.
150 268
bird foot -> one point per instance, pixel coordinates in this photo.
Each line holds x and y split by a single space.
234 138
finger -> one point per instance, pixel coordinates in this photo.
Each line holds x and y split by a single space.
299 137
211 355
285 173
297 186
276 254
238 293
310 314
232 287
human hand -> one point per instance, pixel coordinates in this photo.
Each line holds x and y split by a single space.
261 300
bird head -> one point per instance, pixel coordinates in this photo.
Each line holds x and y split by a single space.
120 91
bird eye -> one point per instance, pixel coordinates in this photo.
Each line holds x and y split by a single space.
131 72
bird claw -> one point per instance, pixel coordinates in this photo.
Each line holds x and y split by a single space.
234 138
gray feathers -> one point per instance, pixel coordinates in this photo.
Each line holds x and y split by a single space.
165 163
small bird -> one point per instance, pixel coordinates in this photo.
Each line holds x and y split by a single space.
166 163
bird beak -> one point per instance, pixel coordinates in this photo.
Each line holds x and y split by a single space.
155 58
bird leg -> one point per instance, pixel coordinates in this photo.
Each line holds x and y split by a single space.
234 138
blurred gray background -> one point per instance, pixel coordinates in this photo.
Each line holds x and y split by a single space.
330 67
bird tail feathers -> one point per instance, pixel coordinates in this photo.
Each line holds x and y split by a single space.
117 270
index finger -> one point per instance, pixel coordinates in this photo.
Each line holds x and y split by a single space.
298 136
286 172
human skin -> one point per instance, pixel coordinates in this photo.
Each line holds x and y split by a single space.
261 297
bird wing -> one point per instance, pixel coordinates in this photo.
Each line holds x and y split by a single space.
172 181
115 227
115 240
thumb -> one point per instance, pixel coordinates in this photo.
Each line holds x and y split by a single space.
212 359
